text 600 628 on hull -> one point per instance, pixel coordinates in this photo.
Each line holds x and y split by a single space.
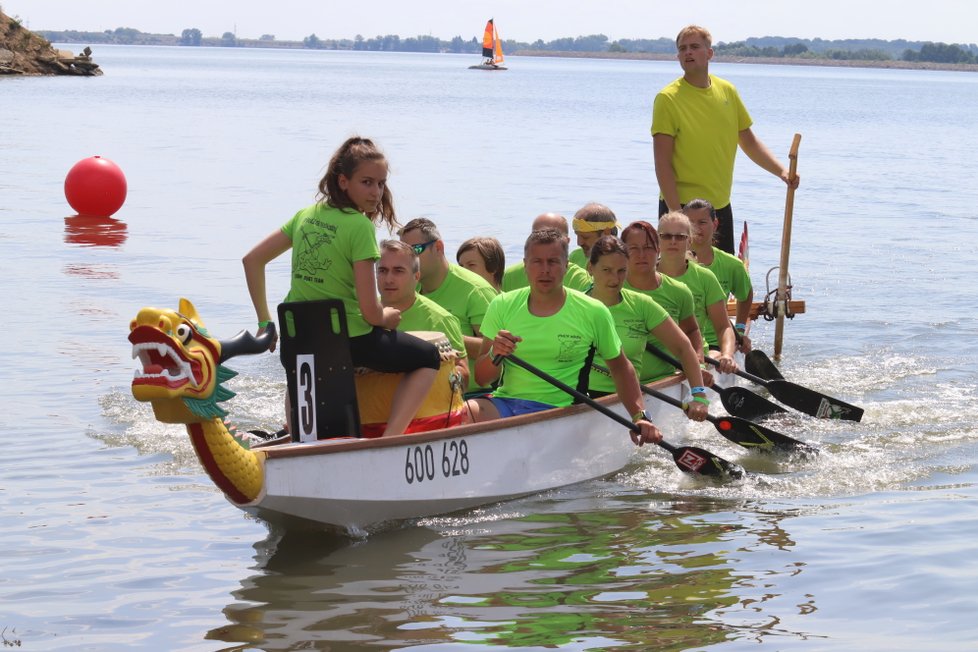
353 483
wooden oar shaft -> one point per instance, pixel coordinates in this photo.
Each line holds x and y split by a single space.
789 205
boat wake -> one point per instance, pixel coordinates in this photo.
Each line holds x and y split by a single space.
909 433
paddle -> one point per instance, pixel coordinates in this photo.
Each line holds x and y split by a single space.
740 431
803 399
744 433
756 362
687 458
738 401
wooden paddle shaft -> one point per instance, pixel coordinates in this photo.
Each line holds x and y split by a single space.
789 204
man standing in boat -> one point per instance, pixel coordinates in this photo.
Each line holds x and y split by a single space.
561 331
577 278
697 122
398 272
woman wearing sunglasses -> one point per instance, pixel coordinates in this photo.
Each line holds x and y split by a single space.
710 301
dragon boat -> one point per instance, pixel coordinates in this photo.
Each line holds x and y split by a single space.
352 483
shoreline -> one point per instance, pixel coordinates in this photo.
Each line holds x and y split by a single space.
779 61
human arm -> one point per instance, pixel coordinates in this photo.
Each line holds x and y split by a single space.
486 372
758 152
743 315
254 263
678 344
473 345
365 284
663 146
717 312
691 328
628 390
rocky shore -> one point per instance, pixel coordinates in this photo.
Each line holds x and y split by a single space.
22 52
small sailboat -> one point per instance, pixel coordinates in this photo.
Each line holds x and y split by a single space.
492 49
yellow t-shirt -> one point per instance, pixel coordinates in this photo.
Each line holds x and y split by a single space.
706 125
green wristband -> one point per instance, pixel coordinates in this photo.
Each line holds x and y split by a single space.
264 324
701 399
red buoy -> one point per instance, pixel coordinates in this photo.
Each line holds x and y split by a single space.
96 187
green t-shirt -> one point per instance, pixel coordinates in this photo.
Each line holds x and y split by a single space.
326 242
677 300
426 315
466 295
557 345
576 278
706 291
731 274
706 125
578 258
635 316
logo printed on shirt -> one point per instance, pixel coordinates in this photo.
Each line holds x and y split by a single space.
313 259
569 344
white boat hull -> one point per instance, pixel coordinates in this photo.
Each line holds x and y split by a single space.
354 484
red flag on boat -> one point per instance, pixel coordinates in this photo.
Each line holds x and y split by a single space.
743 252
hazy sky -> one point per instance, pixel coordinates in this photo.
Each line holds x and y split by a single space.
950 21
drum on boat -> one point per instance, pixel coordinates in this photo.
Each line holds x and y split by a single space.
443 407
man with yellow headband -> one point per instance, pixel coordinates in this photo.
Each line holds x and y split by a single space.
591 221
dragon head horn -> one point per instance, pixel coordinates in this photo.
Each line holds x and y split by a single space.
244 343
188 310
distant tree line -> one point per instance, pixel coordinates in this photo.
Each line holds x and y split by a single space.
941 53
927 51
768 46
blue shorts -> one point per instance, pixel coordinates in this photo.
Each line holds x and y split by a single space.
512 407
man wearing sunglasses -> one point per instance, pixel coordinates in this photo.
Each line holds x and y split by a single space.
397 277
461 292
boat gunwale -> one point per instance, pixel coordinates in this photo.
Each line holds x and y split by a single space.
276 449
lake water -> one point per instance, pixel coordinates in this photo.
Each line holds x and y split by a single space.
114 538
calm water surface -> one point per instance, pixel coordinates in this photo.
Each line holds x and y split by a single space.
113 537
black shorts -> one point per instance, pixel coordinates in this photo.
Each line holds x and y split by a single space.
393 351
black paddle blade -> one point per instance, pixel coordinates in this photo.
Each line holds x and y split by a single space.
757 437
814 403
741 402
756 362
696 460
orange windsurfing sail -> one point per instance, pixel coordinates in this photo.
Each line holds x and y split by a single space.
489 40
498 58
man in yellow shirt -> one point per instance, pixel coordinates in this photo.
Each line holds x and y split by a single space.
697 123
